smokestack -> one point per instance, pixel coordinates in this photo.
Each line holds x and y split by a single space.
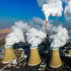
47 26
34 58
55 61
47 29
9 54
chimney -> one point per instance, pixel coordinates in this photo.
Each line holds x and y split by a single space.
9 55
47 26
55 61
34 58
47 30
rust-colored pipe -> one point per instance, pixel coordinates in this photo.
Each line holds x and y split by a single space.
47 26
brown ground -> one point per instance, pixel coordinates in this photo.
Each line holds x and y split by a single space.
24 67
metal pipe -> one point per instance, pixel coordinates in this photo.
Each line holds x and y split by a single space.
6 66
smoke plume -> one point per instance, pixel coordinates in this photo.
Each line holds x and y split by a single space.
65 1
58 34
51 7
38 23
35 36
17 34
37 31
22 25
60 37
58 31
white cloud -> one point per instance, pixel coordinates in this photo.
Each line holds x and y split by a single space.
67 11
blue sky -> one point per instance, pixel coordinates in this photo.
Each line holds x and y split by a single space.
13 10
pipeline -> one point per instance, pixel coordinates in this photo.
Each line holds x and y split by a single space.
6 65
67 55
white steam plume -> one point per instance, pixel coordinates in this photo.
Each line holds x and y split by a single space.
51 7
67 11
52 29
22 25
35 36
60 38
38 23
37 32
17 34
65 1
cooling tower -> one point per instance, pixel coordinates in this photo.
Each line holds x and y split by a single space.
55 61
9 55
34 58
69 51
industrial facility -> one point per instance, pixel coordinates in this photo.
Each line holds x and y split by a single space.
16 58
37 47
